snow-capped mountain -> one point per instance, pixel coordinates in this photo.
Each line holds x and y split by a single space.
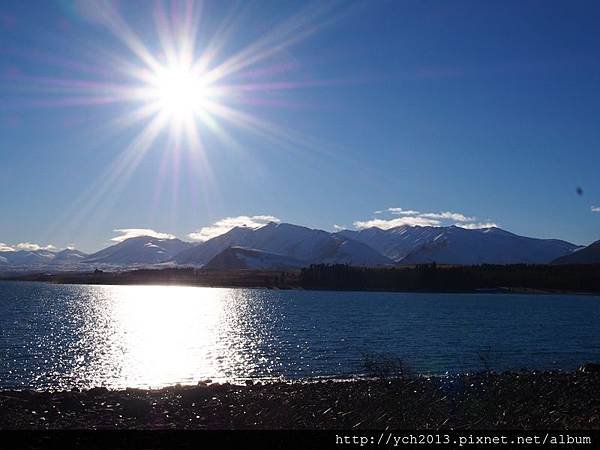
68 256
287 246
26 257
138 250
394 243
456 245
585 255
245 258
292 241
40 259
202 253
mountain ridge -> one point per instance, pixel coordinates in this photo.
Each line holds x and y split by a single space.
585 255
246 258
139 250
294 245
297 242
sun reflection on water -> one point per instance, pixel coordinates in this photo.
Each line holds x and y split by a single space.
60 337
152 336
167 340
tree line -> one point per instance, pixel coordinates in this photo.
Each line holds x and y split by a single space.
431 277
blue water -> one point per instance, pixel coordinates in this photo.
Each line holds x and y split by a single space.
61 336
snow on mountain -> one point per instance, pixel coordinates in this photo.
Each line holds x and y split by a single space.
68 256
394 243
315 246
139 250
245 258
293 241
290 245
585 255
346 251
40 259
455 245
22 258
202 253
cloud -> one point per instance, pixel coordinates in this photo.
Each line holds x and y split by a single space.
476 226
33 247
415 218
224 225
596 209
449 215
396 222
128 233
398 211
337 227
25 246
6 248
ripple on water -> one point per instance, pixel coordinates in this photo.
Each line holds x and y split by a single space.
59 336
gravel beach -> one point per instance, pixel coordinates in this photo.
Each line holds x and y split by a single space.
512 400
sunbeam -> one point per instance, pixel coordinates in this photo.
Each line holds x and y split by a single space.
184 88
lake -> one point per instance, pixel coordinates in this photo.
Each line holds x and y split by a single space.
63 336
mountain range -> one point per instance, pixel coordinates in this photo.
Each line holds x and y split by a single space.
40 258
285 246
139 250
455 245
299 243
585 255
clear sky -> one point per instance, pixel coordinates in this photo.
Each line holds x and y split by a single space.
320 114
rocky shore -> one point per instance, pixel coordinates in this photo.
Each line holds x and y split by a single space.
523 400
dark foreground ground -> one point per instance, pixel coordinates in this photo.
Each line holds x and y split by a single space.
543 400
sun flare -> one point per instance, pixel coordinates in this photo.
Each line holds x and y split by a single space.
184 87
179 91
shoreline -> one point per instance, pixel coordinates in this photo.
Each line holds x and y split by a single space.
428 278
498 290
485 400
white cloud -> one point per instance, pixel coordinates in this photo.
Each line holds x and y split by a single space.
447 215
596 209
25 246
6 248
415 218
396 222
224 225
398 211
476 226
337 227
458 217
128 233
33 247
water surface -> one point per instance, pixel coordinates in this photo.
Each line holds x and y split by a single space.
60 336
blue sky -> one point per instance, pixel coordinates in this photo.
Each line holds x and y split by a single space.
348 114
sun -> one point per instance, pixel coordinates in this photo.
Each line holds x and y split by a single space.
194 88
179 91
